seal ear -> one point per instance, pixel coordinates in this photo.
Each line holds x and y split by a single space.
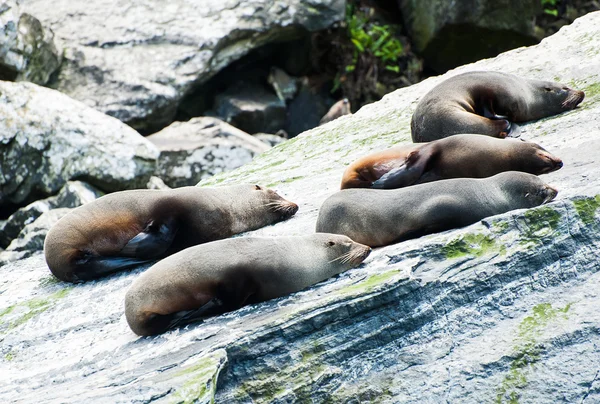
407 173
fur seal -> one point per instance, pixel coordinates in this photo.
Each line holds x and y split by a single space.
126 228
340 108
377 218
458 156
487 103
225 275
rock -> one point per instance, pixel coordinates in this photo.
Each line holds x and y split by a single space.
503 310
284 86
271 140
47 139
200 148
73 194
306 110
27 50
449 34
251 108
156 183
135 61
32 236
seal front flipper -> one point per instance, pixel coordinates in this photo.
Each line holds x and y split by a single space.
407 174
91 267
152 242
213 307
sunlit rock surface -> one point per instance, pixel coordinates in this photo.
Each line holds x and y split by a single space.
47 139
504 310
136 60
200 148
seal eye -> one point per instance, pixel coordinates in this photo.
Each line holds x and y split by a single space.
547 89
256 187
330 243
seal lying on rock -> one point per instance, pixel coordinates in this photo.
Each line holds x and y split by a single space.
130 227
225 275
377 218
487 103
459 156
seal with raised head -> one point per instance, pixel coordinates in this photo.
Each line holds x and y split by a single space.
378 218
459 156
225 275
488 103
126 228
340 108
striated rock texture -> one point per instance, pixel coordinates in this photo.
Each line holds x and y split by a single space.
136 60
47 139
504 310
27 50
200 148
449 34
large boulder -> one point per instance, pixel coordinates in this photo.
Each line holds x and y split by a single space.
47 139
504 310
136 60
200 148
27 50
451 33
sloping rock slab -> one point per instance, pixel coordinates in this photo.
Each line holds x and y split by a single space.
135 61
503 310
200 148
47 139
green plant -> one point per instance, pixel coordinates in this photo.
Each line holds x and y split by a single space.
372 38
549 7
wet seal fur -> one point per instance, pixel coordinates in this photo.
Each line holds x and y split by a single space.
378 218
488 103
458 156
126 228
225 275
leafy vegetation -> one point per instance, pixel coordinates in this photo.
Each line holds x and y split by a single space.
549 7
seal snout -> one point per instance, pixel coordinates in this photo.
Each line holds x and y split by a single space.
550 192
573 99
359 253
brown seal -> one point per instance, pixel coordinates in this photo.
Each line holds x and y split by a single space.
129 227
487 103
340 108
225 275
377 218
458 156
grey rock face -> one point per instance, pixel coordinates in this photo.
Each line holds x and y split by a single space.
47 139
202 147
27 50
449 34
251 108
503 310
73 194
31 237
135 61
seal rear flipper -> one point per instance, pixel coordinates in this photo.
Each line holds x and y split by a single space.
406 174
514 130
152 242
89 268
